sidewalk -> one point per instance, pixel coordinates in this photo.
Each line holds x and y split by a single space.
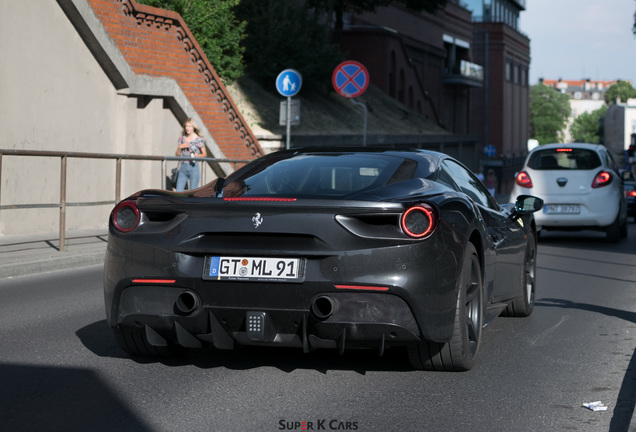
31 254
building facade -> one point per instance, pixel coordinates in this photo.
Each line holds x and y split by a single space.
586 96
620 128
465 67
422 60
503 103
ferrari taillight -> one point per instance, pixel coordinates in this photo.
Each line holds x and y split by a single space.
419 221
602 179
126 216
523 179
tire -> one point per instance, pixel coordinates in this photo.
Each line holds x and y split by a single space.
523 305
613 232
624 229
135 343
459 354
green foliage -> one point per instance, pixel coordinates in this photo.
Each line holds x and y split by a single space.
284 34
216 29
588 127
623 89
549 112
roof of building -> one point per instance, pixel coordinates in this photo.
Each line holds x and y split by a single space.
157 43
581 84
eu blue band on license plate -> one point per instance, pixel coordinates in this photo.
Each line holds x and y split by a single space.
254 269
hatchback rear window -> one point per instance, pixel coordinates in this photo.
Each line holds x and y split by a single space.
565 158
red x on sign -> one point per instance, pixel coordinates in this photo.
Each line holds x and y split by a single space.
350 79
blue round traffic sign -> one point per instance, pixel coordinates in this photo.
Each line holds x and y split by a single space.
288 82
350 79
490 150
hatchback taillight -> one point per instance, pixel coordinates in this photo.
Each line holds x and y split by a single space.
523 179
126 216
419 221
602 179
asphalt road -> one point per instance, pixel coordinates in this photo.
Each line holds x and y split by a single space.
61 370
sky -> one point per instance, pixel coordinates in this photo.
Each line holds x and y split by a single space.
577 39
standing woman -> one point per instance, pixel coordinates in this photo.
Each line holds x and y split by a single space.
190 145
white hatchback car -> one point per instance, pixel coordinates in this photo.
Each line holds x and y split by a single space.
580 185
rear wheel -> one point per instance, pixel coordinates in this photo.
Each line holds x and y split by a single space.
135 342
458 354
624 229
523 305
613 232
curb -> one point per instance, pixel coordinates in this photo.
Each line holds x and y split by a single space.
50 263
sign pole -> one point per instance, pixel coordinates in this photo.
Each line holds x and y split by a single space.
288 84
364 135
288 122
350 79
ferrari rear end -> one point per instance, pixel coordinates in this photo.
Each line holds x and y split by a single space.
185 271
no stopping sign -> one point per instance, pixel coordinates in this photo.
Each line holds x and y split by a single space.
350 79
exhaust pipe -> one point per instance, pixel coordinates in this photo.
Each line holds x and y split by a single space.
187 302
323 307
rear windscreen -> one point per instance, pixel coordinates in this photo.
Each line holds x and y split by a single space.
565 158
319 175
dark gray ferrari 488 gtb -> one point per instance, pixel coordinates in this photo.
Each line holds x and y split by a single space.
322 248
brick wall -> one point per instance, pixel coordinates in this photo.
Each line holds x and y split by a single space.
157 42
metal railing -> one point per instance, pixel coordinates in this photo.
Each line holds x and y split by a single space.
118 158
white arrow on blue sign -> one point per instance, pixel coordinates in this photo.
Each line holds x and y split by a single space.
288 82
490 150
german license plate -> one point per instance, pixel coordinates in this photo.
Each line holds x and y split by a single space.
254 269
562 209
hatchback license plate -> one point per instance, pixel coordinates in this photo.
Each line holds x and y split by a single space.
562 209
254 269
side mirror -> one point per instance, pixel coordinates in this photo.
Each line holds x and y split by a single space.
526 204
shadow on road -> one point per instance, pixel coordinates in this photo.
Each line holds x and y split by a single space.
588 240
44 398
626 401
99 339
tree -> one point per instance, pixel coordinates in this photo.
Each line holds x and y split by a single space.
216 29
621 89
337 8
285 34
588 126
549 112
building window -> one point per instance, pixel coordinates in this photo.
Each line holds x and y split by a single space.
515 70
577 95
596 96
524 77
508 71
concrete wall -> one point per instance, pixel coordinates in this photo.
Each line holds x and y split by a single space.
55 96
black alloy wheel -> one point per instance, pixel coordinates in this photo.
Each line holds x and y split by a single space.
459 354
523 305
